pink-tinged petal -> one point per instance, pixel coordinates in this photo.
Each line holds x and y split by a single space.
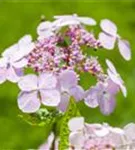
28 102
21 63
11 75
3 73
77 92
76 123
48 144
64 102
129 130
10 51
117 130
76 139
106 103
124 49
107 41
91 97
109 27
47 81
111 66
50 97
68 79
28 83
87 20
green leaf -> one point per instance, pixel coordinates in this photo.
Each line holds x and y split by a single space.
71 112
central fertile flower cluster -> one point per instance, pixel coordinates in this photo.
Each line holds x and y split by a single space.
57 57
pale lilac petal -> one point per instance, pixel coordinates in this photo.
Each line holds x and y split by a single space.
106 103
64 102
47 81
124 49
87 20
28 83
123 90
21 63
129 130
11 75
91 97
111 66
47 145
107 41
28 102
50 97
19 72
10 51
3 73
68 79
109 27
76 123
77 92
112 87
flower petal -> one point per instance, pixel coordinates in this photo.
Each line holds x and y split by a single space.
109 27
106 103
20 64
124 49
77 92
129 130
3 72
111 66
50 97
64 102
28 83
47 81
28 102
68 79
11 75
87 20
91 97
107 41
76 123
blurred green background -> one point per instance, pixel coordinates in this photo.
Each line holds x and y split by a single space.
19 18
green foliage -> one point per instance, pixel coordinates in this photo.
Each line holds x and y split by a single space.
71 112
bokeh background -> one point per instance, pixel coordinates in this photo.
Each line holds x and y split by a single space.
20 18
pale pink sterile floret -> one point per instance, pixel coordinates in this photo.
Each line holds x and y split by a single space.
37 90
109 37
13 59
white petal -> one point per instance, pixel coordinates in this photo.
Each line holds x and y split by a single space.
76 140
12 75
64 102
108 27
129 131
3 72
47 81
111 66
76 123
3 62
124 49
50 97
28 83
107 41
28 102
10 51
77 92
123 90
101 132
20 64
87 20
